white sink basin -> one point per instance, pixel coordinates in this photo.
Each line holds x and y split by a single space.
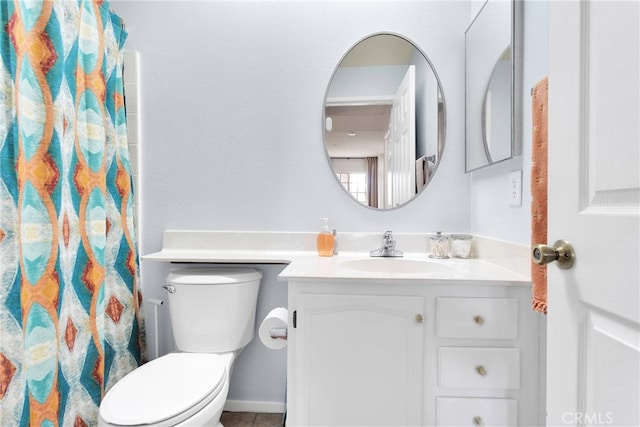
394 265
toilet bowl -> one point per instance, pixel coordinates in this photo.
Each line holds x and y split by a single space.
178 389
212 313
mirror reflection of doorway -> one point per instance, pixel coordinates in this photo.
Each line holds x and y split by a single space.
372 145
356 147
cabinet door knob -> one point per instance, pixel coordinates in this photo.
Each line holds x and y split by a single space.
479 320
419 318
481 370
477 421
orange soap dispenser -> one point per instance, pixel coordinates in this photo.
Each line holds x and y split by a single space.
326 240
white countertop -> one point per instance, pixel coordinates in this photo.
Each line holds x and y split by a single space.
303 263
314 267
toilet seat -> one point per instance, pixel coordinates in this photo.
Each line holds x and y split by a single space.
166 390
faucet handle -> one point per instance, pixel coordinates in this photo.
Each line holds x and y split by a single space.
389 240
388 248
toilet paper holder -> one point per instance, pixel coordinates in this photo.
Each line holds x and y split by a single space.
278 333
273 330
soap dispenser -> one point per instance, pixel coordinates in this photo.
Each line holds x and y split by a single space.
326 240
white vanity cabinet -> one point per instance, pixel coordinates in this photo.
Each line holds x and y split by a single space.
411 353
358 359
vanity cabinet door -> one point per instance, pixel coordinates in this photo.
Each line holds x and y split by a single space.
359 360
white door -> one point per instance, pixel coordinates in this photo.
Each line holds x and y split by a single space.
594 203
402 154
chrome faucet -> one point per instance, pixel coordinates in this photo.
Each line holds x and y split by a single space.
388 248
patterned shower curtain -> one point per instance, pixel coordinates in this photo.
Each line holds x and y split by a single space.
70 304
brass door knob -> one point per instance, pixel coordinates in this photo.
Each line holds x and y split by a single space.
561 251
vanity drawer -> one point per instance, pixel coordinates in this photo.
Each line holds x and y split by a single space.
474 367
481 318
466 411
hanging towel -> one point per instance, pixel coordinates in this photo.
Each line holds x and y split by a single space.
539 189
422 172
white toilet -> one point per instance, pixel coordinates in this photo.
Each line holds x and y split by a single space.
213 318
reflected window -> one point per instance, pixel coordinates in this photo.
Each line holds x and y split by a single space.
356 184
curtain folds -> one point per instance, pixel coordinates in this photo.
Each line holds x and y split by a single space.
372 181
71 319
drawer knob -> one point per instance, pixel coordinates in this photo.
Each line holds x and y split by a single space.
479 320
419 318
477 421
481 370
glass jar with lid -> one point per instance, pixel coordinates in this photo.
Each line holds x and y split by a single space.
439 246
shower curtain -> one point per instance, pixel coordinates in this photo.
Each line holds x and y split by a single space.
70 302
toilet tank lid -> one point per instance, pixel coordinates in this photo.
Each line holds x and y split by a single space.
212 276
163 388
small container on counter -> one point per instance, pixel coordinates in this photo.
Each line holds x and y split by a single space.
461 245
439 246
326 239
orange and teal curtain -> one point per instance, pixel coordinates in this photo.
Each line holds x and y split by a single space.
70 305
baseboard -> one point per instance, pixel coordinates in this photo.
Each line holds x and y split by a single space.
253 406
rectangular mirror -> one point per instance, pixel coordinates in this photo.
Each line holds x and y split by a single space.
490 135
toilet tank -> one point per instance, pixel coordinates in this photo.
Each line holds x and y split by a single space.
213 310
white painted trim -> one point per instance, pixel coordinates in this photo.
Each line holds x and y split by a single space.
359 100
253 406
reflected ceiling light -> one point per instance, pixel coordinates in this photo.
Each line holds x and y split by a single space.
351 133
328 124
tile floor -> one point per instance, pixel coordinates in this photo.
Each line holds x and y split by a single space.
250 419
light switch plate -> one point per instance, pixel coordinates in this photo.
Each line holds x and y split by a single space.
515 188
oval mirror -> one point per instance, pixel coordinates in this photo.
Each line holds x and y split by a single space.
384 121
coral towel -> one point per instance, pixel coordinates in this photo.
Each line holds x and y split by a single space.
539 190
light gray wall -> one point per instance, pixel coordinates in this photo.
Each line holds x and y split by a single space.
231 104
231 98
380 80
